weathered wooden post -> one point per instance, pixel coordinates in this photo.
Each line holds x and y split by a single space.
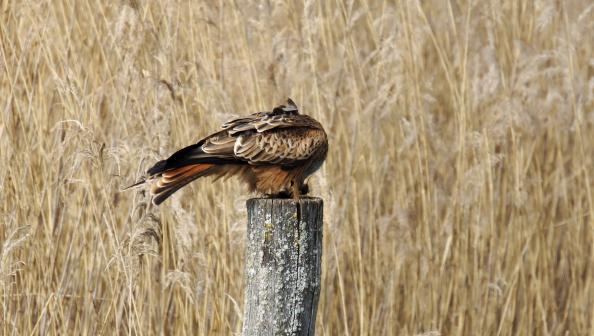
283 266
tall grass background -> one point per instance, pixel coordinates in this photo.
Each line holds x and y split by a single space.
458 186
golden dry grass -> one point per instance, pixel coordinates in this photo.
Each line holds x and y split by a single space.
458 185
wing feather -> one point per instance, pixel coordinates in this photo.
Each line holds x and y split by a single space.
284 146
282 136
222 143
262 122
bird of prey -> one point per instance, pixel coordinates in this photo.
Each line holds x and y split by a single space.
274 152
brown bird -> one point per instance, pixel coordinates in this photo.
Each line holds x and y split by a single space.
274 152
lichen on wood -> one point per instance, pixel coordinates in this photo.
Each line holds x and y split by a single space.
283 266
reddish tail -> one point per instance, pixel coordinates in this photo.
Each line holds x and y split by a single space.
172 180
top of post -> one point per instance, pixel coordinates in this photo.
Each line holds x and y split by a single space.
311 201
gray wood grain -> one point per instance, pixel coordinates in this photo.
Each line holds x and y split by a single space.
283 266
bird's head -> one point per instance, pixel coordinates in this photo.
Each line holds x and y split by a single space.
289 108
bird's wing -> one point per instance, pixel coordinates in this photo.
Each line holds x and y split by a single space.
281 116
284 146
281 136
283 141
263 123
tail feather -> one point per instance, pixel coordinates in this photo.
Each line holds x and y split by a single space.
176 174
172 180
184 166
157 168
135 184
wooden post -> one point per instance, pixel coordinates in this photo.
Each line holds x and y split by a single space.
283 266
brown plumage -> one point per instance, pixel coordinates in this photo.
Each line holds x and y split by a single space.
274 152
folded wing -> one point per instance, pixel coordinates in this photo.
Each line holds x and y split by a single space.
284 146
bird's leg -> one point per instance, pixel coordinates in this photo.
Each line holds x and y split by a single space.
298 188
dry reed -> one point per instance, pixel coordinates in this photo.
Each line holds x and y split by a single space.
458 186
